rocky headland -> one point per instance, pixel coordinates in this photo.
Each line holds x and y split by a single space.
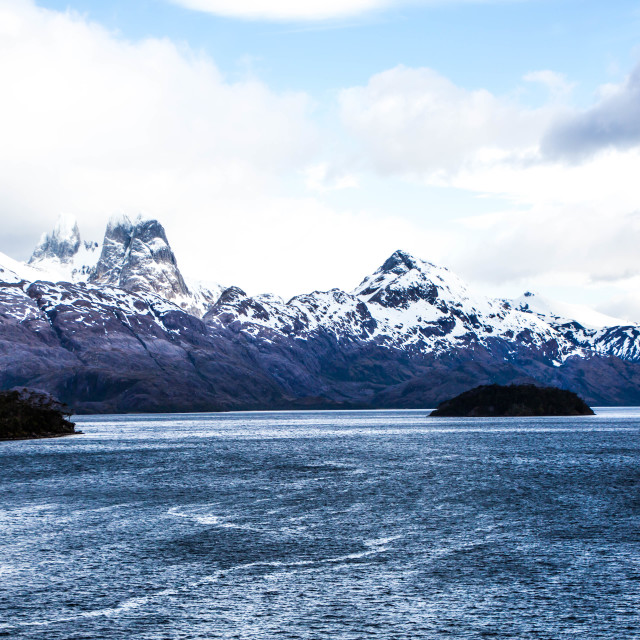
25 414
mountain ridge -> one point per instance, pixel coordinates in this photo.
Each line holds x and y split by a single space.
129 334
134 255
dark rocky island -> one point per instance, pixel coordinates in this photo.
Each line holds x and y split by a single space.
25 413
513 400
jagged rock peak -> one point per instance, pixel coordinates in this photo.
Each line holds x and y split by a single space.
231 295
233 304
136 256
117 239
403 279
150 238
62 243
400 262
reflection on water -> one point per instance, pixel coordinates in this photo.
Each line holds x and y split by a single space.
338 525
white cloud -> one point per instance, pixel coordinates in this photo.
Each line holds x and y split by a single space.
91 123
284 9
602 182
574 227
324 177
625 305
578 241
570 221
290 246
556 83
303 10
418 123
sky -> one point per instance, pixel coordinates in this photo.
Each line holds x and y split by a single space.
292 146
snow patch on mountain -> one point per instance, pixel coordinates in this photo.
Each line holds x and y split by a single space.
564 311
428 307
14 272
202 296
622 342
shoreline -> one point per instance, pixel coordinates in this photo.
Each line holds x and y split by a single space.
44 436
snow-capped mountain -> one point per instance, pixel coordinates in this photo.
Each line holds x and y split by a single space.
61 244
564 312
134 256
125 334
63 255
416 306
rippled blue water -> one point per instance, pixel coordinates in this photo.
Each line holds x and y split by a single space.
309 525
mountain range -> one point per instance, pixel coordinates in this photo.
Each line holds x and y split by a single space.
113 326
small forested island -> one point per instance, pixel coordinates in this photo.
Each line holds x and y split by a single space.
493 400
26 413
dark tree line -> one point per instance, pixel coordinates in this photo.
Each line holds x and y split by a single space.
513 400
25 413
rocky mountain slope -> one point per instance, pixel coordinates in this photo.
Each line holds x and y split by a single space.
420 308
133 255
128 333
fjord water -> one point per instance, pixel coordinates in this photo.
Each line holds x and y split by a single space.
341 525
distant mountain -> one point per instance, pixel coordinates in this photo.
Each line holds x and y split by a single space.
563 312
126 332
61 244
134 256
63 255
418 307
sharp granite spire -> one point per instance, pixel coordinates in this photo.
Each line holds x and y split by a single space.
61 244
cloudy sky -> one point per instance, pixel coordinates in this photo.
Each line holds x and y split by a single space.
289 146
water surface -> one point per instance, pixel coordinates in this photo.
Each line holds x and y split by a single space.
340 525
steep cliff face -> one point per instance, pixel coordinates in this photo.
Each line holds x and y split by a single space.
137 257
115 246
